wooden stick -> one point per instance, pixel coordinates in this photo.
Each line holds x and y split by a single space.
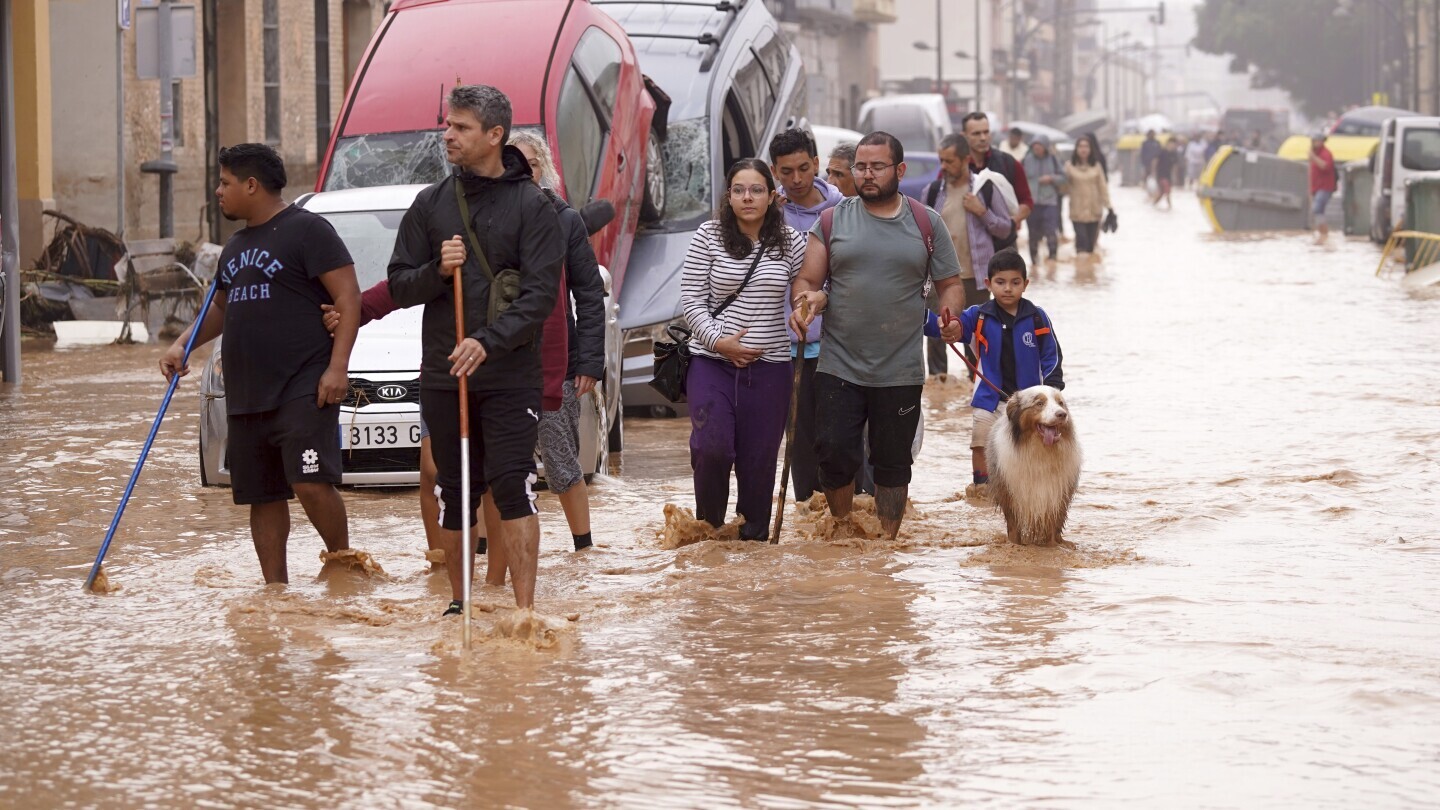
790 429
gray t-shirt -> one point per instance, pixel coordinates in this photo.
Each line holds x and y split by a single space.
875 319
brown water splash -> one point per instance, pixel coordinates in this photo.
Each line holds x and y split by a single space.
683 529
354 559
102 583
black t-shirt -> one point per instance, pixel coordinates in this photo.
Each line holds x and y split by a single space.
275 347
1165 162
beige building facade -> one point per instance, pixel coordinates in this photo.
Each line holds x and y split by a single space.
280 69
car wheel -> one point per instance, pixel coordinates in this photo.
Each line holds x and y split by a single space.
652 208
204 480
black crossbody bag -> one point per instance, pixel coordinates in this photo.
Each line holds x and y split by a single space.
672 357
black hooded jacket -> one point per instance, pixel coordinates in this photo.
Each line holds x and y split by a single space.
583 281
518 229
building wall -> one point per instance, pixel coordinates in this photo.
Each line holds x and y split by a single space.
84 132
34 180
901 61
82 37
836 81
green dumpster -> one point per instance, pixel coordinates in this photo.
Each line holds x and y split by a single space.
1358 181
1422 211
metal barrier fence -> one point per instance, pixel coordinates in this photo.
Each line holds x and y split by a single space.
1420 249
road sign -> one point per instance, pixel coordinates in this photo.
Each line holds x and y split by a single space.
182 39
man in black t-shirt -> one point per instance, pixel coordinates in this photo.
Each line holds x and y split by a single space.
284 375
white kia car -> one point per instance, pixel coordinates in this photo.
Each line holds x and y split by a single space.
380 419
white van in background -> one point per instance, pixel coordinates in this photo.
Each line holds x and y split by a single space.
827 138
1409 149
919 120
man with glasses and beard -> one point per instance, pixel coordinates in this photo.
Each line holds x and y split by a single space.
873 252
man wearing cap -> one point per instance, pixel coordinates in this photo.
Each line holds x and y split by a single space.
1322 184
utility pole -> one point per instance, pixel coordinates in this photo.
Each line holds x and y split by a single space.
979 103
165 165
940 55
125 15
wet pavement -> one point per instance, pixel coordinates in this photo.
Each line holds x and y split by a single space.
1252 618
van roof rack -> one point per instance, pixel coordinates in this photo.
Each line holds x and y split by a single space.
709 40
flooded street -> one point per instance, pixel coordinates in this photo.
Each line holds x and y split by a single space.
1252 618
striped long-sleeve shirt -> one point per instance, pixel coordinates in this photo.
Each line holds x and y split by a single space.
711 275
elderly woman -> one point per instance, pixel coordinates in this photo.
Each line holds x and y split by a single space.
733 289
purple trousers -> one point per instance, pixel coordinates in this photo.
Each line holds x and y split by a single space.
737 420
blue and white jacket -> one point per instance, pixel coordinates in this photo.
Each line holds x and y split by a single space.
1037 351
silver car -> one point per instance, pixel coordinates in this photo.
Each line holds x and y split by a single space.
380 419
734 80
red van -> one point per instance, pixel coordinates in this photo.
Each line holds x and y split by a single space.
555 59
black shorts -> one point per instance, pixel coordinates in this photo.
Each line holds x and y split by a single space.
504 428
842 410
268 452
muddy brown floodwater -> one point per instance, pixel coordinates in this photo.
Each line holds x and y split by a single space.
1252 618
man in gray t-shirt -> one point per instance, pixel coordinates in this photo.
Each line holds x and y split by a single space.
871 364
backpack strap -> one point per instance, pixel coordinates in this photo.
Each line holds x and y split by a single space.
927 233
1048 332
980 333
932 192
927 230
922 221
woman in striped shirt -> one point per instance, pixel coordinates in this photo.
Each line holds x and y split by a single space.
739 382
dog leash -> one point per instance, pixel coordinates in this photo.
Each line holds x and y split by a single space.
945 319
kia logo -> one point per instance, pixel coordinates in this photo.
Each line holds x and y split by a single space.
390 392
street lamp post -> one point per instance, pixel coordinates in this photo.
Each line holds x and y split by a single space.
979 103
939 53
921 45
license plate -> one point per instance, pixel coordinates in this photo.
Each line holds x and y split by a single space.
379 435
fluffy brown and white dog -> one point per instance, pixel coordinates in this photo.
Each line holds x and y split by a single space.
1034 465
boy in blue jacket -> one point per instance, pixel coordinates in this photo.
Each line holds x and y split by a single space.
1017 349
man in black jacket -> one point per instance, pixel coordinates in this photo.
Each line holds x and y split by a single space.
516 227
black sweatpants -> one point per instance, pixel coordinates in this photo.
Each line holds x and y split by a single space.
843 410
1085 235
804 465
504 428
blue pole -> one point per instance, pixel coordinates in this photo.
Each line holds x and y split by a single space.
149 440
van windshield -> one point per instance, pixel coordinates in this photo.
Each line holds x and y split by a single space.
391 159
1420 150
1357 126
687 170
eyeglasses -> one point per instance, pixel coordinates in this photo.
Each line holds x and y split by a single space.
753 191
873 168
